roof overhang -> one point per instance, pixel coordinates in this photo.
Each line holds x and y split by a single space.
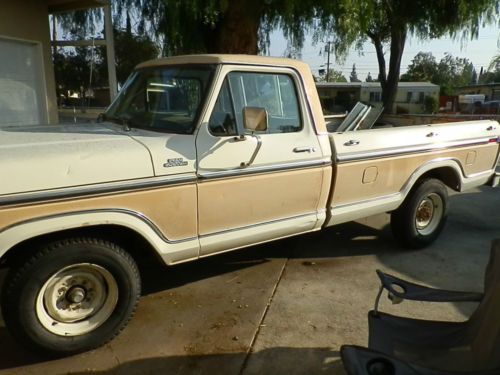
57 6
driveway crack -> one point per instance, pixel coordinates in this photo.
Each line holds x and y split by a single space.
263 317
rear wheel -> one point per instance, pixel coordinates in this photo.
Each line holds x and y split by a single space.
422 216
71 296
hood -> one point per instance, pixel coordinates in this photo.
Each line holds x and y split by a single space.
42 157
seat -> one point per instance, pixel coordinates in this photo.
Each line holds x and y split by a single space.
425 346
362 361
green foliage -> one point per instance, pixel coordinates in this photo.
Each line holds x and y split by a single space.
334 76
493 73
221 26
423 68
86 67
72 71
131 50
386 23
449 73
431 105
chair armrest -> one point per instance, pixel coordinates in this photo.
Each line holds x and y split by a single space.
407 290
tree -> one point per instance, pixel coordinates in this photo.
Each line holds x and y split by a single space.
130 50
473 79
423 68
209 26
354 76
453 72
389 22
431 105
72 71
86 67
492 75
449 73
334 76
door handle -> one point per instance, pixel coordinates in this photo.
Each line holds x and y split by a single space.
304 149
352 142
490 128
431 134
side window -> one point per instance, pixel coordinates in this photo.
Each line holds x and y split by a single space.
274 92
222 121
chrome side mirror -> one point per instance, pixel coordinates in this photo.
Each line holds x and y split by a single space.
255 119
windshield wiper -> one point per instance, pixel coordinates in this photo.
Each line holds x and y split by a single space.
120 120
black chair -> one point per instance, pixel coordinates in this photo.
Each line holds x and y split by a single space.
399 345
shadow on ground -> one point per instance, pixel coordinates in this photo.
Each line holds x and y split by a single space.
350 239
269 361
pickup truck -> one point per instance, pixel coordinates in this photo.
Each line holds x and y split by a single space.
196 156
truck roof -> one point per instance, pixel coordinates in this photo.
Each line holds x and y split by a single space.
225 59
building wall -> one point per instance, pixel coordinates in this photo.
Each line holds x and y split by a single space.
337 98
27 20
415 104
491 92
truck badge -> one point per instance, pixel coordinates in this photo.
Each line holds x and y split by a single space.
176 162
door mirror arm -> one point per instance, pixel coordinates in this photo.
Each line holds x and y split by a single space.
254 155
254 119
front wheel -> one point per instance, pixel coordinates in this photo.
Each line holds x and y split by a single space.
422 216
71 296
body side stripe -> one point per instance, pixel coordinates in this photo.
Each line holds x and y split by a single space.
400 151
150 183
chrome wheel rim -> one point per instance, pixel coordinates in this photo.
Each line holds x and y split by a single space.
428 214
77 299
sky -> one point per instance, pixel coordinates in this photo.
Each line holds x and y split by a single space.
479 52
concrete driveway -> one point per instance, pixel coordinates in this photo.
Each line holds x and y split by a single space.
284 307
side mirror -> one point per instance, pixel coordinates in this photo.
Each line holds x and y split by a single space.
255 119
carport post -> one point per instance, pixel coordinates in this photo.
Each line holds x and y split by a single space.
110 51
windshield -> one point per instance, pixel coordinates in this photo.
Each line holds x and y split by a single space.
167 99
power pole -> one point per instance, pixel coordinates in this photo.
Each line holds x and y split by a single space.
328 61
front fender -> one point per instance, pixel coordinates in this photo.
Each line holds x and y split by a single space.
170 251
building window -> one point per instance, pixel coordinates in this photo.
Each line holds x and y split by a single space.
421 96
375 96
409 95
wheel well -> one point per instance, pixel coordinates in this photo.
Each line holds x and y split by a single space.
132 242
447 175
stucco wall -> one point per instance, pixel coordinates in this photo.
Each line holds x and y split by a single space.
401 97
28 20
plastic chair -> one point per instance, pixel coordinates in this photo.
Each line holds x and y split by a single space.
434 347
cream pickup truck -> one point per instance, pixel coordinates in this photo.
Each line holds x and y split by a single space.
196 156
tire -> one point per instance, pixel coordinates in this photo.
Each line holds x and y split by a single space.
71 296
422 216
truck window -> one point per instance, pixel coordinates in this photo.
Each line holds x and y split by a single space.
274 92
162 98
222 120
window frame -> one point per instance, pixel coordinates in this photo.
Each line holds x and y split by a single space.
231 100
304 109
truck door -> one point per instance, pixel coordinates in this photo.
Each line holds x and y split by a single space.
254 187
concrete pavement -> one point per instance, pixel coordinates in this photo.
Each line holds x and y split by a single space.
284 307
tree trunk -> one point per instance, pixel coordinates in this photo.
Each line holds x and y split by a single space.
389 81
237 31
398 39
377 42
